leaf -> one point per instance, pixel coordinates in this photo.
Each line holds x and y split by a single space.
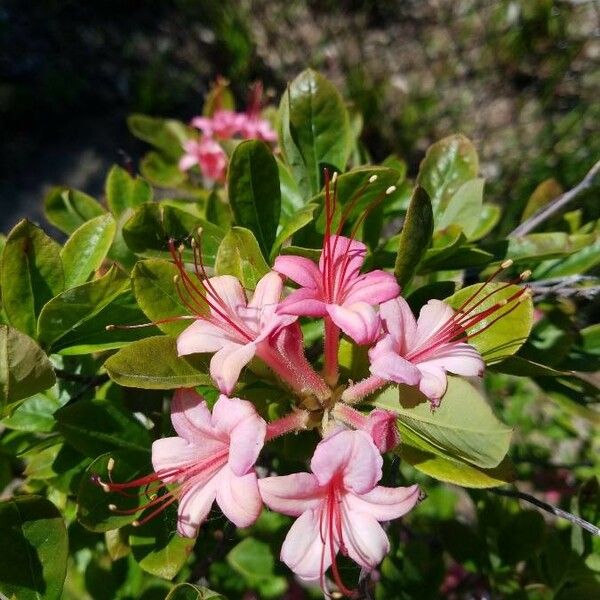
415 237
96 426
67 209
577 263
153 364
464 208
544 193
161 171
253 183
447 165
93 503
158 549
34 549
24 368
218 211
291 197
488 219
124 191
508 334
117 544
314 130
463 427
86 249
187 591
167 135
239 255
301 218
522 367
156 293
521 537
455 471
31 275
36 413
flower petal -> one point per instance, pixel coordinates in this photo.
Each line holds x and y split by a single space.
238 497
364 539
230 292
433 316
172 453
359 321
384 503
187 161
347 256
190 415
291 494
374 287
391 366
305 302
299 269
201 336
433 381
458 358
400 323
268 291
194 507
227 363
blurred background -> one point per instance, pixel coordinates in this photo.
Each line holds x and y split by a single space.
520 77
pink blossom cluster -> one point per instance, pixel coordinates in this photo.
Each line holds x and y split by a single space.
223 124
338 504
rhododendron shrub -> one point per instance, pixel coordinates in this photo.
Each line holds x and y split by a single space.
267 368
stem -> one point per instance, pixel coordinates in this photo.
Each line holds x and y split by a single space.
553 510
547 211
297 420
353 394
350 416
332 344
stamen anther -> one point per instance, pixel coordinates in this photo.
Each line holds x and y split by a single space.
506 264
112 507
136 524
390 190
525 275
373 178
334 177
111 464
109 327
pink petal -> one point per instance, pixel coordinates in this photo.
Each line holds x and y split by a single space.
194 507
190 415
351 454
359 321
201 336
227 363
384 503
374 288
306 302
400 323
364 538
433 381
291 494
433 316
203 123
303 551
187 161
268 291
230 291
238 497
391 366
381 426
347 256
299 269
228 413
173 452
459 358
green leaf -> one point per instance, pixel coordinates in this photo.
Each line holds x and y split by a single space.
93 510
239 255
253 183
521 537
87 247
447 165
36 413
291 197
31 275
522 367
161 171
167 135
156 293
158 550
464 208
415 237
187 591
24 368
97 426
218 211
124 191
508 334
488 219
34 549
544 193
463 427
314 130
68 209
577 263
153 364
301 218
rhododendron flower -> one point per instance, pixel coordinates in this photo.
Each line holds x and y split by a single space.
208 155
339 506
211 458
379 424
253 127
421 351
223 124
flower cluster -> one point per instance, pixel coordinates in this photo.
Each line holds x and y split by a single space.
338 504
223 124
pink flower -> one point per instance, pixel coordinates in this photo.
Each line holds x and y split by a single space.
208 155
339 506
223 124
211 458
252 126
420 352
337 289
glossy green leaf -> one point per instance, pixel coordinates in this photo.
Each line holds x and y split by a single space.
67 209
124 191
296 222
464 208
253 183
462 428
239 255
97 426
117 544
314 130
446 243
167 135
156 293
93 510
187 591
31 275
509 333
578 263
153 364
86 249
36 413
488 219
522 367
415 237
161 171
291 196
218 211
447 165
24 368
544 193
34 548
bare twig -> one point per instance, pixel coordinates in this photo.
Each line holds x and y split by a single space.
553 510
565 287
557 204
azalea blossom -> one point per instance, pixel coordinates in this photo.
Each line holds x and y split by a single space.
208 155
223 124
339 506
211 458
236 330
